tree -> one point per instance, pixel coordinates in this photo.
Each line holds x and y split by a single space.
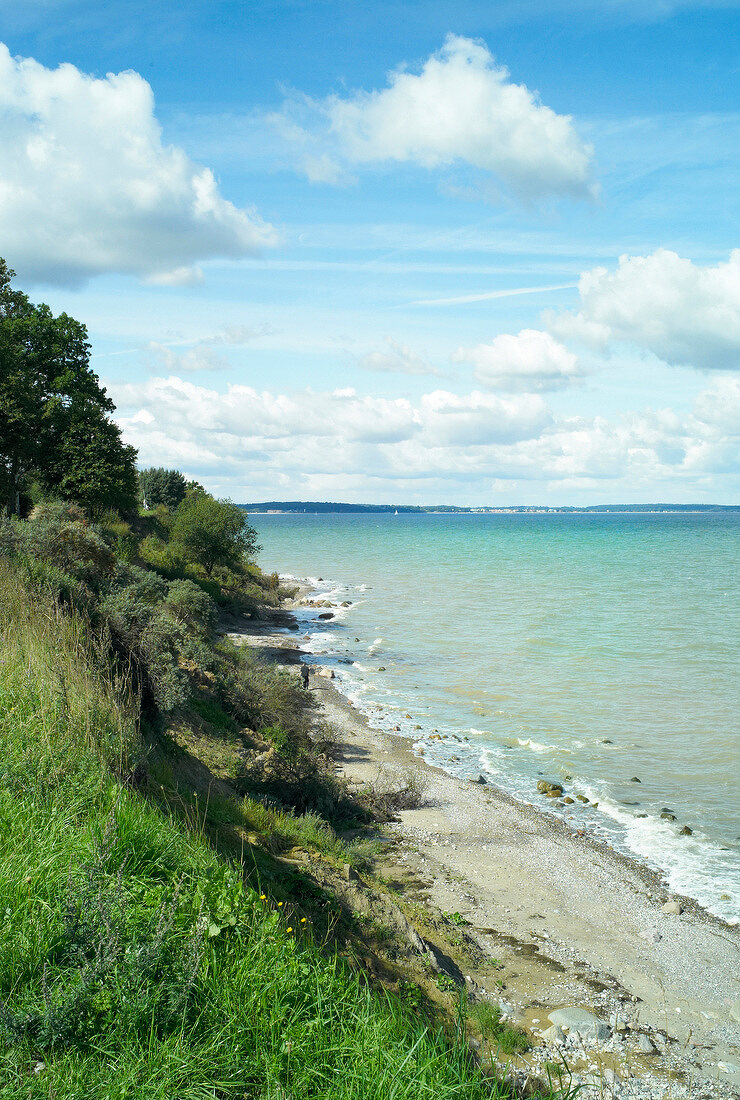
212 532
160 486
90 464
53 410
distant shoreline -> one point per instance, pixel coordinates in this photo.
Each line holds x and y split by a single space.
334 508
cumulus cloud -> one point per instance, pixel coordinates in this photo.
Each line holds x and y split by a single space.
682 312
248 441
460 108
88 187
293 424
531 362
396 358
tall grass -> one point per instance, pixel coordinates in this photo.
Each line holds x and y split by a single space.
134 962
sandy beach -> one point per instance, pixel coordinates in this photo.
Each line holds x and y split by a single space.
562 922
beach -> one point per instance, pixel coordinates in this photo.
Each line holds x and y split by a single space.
561 919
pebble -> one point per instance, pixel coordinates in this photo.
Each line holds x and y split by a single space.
645 1046
554 1035
672 907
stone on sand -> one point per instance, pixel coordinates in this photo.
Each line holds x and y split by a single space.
580 1022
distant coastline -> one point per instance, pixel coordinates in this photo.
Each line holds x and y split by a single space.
315 507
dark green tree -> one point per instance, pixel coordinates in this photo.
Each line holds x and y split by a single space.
90 464
53 410
160 486
212 532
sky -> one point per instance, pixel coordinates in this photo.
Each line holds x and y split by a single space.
466 253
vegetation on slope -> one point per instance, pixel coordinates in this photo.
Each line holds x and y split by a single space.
133 960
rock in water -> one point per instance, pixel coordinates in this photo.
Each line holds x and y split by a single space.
546 786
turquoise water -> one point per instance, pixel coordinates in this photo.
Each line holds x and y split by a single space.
597 647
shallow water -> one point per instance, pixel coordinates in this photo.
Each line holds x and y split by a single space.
604 648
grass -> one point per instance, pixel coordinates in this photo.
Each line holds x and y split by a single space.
134 960
507 1040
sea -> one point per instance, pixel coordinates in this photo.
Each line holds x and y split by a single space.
598 650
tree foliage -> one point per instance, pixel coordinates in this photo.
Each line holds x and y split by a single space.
160 486
212 532
54 414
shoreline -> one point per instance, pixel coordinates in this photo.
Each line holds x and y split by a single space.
471 842
568 919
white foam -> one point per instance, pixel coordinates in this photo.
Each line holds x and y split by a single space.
535 746
693 865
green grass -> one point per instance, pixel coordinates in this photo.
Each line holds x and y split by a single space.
506 1040
134 961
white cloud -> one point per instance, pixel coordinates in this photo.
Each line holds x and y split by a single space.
530 362
180 276
88 187
491 295
683 313
246 443
461 107
199 357
396 358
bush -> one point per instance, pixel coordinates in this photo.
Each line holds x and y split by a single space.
165 627
59 534
261 696
10 537
123 540
191 607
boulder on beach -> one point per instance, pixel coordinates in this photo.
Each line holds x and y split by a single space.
580 1022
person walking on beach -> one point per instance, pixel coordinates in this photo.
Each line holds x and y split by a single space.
304 674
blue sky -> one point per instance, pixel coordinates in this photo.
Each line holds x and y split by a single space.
468 253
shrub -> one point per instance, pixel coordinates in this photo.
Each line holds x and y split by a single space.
191 607
59 534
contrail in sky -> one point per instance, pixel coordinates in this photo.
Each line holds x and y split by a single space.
491 294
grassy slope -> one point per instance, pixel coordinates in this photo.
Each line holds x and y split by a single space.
134 962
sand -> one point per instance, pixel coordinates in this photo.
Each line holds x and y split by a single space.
567 920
